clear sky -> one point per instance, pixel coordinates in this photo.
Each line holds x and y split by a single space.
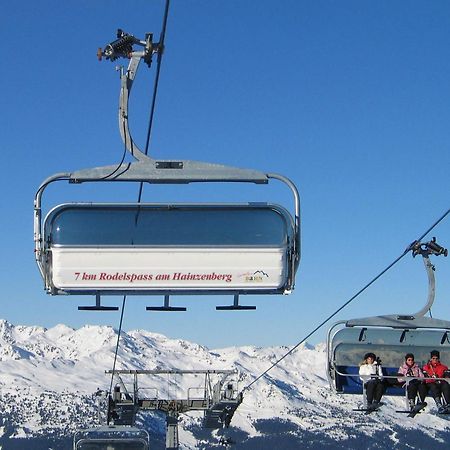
349 99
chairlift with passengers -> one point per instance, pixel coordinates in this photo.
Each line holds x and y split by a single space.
164 249
389 336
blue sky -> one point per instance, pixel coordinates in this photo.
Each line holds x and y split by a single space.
349 99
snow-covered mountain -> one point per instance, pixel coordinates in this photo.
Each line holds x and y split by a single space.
48 378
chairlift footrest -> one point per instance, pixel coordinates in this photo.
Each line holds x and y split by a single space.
98 308
235 307
166 308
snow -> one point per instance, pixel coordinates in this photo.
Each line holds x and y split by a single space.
60 367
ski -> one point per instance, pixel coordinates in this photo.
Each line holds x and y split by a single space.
370 409
417 409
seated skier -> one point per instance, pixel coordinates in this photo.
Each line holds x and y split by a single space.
371 375
437 388
416 386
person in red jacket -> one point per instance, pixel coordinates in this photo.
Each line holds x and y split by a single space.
437 388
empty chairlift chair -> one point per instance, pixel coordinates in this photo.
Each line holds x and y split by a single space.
135 248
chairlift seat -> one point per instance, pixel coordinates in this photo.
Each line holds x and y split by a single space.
346 348
353 384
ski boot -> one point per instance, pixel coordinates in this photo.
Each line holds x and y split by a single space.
441 408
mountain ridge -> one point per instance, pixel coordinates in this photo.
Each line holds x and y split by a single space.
48 378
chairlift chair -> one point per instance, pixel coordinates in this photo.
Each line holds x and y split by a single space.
135 248
389 336
111 438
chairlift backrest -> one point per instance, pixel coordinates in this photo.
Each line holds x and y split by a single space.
347 346
150 248
142 225
389 345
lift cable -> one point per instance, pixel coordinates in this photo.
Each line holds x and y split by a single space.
114 171
117 344
408 249
158 69
152 113
155 86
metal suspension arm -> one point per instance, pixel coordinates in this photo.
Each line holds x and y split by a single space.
146 168
126 83
431 287
123 47
417 320
425 250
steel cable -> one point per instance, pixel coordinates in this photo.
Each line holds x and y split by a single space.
117 344
155 87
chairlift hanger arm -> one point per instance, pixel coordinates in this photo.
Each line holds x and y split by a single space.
429 248
418 319
123 48
431 287
146 168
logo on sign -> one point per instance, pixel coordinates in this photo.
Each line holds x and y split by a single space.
256 277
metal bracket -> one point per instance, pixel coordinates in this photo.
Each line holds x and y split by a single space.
403 335
166 306
98 306
429 248
235 306
362 334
